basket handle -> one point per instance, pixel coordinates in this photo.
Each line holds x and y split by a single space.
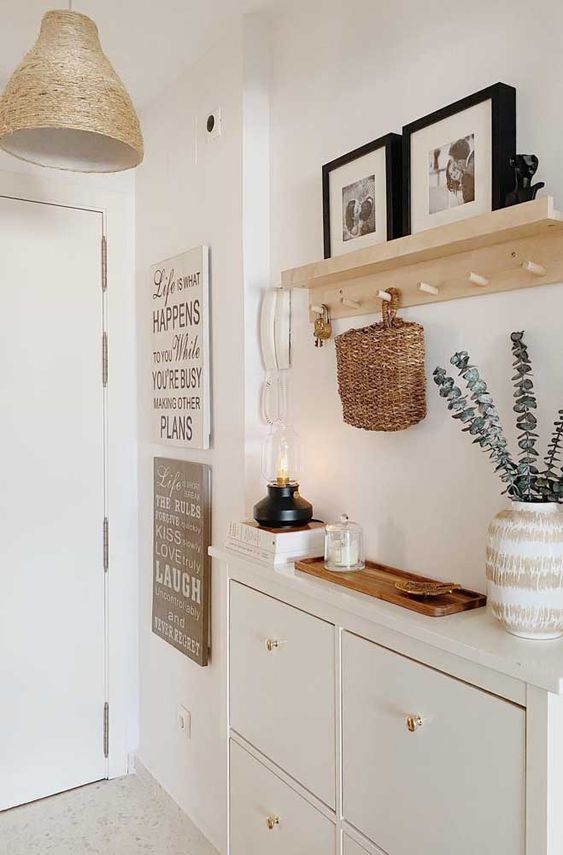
389 309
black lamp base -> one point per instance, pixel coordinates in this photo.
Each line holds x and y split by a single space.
283 506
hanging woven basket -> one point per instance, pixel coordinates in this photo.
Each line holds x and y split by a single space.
381 379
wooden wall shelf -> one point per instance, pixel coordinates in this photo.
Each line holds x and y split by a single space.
516 247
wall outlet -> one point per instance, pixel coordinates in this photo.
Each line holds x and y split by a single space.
184 722
214 124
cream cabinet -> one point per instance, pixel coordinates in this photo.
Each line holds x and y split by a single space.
282 687
453 758
358 728
350 847
268 817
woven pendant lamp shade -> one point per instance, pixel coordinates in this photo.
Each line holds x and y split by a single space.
65 106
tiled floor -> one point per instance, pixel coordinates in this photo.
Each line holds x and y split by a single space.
128 816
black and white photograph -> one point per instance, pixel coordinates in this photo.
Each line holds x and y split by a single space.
362 196
456 160
451 174
358 208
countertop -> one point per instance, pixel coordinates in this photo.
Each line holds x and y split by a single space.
473 635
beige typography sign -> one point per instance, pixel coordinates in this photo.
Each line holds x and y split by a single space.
181 579
179 371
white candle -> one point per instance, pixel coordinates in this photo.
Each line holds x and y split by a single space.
344 551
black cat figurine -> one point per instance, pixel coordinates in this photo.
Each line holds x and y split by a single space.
525 167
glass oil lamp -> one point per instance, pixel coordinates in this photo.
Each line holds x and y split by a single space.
344 546
281 464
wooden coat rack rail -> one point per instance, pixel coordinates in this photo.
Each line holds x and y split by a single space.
512 248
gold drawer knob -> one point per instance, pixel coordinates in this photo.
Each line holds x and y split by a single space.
273 644
272 821
413 722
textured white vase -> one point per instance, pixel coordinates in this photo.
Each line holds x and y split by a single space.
525 569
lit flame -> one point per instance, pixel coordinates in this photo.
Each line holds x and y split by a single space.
282 467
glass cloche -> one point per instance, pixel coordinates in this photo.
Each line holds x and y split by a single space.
344 546
281 455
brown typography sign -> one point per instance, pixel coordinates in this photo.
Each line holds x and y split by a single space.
182 530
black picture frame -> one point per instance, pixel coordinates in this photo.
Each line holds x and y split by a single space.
393 178
503 125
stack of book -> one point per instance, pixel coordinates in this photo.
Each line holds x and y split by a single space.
276 545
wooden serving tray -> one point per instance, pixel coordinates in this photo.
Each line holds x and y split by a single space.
379 581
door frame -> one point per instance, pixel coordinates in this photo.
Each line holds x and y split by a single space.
121 433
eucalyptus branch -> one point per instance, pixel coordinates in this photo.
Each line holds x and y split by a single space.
552 458
478 415
550 482
481 420
526 421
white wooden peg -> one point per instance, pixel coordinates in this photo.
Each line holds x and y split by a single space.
428 289
317 309
383 295
353 304
477 279
536 269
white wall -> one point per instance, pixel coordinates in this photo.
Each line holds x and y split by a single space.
255 228
340 76
344 75
119 182
188 192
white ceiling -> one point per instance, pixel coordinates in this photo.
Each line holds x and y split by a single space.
149 42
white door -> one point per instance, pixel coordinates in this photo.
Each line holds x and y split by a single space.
52 635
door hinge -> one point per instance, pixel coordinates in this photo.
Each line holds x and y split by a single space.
105 359
106 544
104 263
106 729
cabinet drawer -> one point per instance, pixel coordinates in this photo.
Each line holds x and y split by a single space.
269 817
282 698
350 847
454 784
